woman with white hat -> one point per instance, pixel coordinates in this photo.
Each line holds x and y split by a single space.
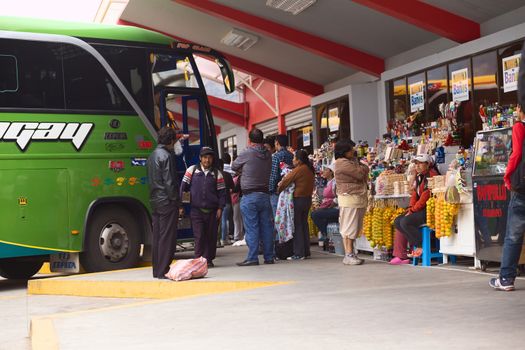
407 225
328 211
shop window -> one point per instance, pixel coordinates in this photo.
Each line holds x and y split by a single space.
398 105
301 138
437 91
229 145
333 119
485 72
509 97
461 92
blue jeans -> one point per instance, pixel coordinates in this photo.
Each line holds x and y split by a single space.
513 236
322 217
274 199
258 224
224 221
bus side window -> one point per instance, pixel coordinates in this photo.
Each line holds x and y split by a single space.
8 73
30 75
87 84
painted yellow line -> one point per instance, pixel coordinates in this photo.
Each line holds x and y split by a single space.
46 269
43 334
38 247
137 289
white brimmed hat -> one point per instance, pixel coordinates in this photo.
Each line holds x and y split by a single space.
329 166
422 158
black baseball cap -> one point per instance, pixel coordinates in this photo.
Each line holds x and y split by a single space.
206 151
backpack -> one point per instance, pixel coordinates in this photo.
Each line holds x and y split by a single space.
517 178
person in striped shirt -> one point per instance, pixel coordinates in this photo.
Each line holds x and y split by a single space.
207 189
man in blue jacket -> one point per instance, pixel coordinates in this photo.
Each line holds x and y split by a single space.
255 166
205 183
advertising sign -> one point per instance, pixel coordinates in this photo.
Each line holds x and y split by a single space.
306 137
511 67
460 85
333 119
417 97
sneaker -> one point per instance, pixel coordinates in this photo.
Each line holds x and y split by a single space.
295 257
225 242
498 283
352 259
399 261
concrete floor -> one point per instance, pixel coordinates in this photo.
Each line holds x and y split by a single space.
327 305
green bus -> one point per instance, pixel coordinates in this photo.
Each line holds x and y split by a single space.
79 114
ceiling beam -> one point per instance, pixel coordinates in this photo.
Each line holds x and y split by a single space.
427 17
322 47
234 107
285 79
228 116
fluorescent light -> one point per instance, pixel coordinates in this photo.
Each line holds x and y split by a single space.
239 39
293 6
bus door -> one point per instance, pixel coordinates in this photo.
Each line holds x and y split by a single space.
187 114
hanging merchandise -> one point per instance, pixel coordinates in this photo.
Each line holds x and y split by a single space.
495 116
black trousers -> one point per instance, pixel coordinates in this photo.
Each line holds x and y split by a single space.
301 236
164 238
409 226
205 229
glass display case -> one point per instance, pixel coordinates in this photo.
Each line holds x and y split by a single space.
492 150
490 197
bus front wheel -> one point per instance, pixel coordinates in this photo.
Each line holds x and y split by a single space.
20 268
112 242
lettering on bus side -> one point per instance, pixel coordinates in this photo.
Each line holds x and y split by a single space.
23 133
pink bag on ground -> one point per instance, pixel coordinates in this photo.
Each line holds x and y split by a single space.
187 269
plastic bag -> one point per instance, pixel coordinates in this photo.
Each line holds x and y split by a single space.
186 269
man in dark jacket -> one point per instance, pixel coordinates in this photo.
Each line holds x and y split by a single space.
207 197
164 200
255 166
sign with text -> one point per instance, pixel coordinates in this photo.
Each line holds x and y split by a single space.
511 67
460 85
333 119
417 97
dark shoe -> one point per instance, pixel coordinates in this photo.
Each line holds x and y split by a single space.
269 262
503 284
248 263
162 278
211 264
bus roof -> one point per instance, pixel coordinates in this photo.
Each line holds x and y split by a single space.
84 30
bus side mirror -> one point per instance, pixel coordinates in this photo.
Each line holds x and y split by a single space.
8 73
227 75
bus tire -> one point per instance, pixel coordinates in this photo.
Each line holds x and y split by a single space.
18 269
112 242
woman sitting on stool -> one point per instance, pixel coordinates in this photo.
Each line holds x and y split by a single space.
407 225
328 211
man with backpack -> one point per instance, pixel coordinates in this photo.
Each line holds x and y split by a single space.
205 184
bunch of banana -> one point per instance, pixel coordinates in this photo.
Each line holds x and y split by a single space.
367 225
377 227
431 213
388 234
